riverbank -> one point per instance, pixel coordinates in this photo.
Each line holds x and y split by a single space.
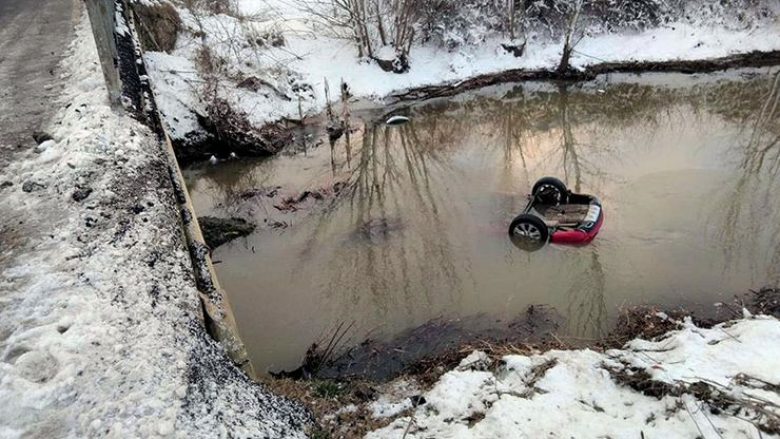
694 382
274 64
101 327
655 373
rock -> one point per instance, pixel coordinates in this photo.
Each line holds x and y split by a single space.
6 184
230 130
43 146
36 366
417 400
516 50
31 186
160 25
41 136
399 64
81 194
218 231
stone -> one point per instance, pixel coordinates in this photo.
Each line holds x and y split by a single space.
41 136
218 231
516 50
160 27
32 186
36 366
81 194
43 146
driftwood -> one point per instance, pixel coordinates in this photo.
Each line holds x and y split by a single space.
750 59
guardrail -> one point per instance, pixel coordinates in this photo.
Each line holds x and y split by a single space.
113 26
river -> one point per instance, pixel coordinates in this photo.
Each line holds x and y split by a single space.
408 223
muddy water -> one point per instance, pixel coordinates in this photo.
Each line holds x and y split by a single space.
408 223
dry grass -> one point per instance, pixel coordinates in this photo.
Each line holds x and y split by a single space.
326 399
763 414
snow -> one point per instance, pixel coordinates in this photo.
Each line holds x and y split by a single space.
100 329
174 91
692 352
394 400
573 394
44 146
100 322
310 57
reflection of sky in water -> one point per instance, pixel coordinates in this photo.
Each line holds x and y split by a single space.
686 175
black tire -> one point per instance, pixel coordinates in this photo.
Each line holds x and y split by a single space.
550 190
528 232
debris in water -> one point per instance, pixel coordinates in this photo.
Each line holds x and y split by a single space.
218 231
397 120
378 229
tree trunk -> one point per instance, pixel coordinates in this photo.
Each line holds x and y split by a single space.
511 7
380 24
567 44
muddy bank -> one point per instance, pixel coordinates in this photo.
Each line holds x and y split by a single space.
348 407
751 59
226 131
228 134
377 360
436 346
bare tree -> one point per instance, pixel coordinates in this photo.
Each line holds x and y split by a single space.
373 26
514 15
515 19
568 44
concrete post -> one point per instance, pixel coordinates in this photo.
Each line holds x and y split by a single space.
102 15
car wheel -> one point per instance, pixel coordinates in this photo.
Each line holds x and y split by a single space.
550 190
528 232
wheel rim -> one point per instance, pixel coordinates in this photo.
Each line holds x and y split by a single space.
528 231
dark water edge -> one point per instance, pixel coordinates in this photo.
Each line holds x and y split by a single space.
440 344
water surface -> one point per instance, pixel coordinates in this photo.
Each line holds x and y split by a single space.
408 223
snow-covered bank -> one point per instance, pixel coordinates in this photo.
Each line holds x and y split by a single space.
694 382
100 321
287 79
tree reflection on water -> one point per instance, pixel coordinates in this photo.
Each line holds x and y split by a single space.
752 206
418 228
395 213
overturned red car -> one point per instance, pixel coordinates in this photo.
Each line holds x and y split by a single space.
555 214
